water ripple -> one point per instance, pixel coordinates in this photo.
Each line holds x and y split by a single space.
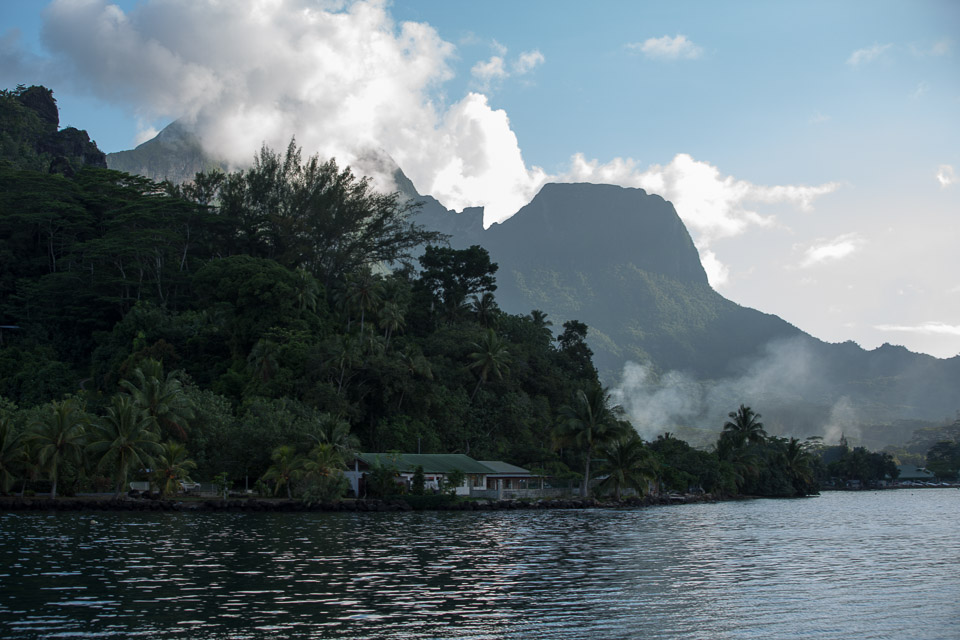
868 565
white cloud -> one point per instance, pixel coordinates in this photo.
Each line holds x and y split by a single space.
675 48
937 49
922 87
489 71
946 175
348 81
145 132
866 55
928 328
831 250
527 62
819 118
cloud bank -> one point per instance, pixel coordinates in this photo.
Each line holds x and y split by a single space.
347 80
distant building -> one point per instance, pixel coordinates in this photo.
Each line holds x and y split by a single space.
913 473
491 479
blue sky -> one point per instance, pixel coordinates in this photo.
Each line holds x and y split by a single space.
812 148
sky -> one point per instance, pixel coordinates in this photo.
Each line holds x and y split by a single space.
811 148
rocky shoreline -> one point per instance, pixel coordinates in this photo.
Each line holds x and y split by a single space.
253 505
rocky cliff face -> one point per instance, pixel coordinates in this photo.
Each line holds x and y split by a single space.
175 154
31 138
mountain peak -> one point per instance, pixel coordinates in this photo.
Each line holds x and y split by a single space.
627 225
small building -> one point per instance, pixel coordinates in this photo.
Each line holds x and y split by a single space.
510 481
913 473
436 468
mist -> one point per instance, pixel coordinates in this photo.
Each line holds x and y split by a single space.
786 384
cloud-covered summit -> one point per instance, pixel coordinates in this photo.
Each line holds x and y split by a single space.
345 78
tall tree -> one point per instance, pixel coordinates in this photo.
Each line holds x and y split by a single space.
590 422
59 435
172 466
162 397
628 464
744 426
11 453
490 358
125 440
287 467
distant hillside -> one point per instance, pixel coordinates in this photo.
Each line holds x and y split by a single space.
175 154
622 261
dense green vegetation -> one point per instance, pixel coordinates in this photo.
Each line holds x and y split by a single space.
262 325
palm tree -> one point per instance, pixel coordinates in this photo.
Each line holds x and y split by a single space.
391 320
335 431
364 292
491 357
589 422
125 439
308 289
539 320
263 359
11 453
58 436
744 426
485 308
628 463
172 467
161 397
414 364
286 468
323 460
798 461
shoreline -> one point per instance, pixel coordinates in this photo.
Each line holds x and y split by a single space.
266 505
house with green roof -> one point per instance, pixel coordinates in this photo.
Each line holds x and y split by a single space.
480 478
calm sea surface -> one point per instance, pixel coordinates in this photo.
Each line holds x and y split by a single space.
840 566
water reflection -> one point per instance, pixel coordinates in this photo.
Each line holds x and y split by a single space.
832 567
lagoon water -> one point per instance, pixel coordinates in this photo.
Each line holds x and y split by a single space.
842 565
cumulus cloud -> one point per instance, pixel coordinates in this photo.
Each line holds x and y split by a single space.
831 250
946 175
667 48
712 205
927 328
343 80
351 83
527 62
489 72
867 55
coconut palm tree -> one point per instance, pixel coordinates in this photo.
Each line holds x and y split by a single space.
628 463
491 357
172 466
323 460
485 309
58 436
263 358
589 422
286 468
161 397
744 426
125 439
335 431
799 463
364 292
308 289
11 453
392 320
